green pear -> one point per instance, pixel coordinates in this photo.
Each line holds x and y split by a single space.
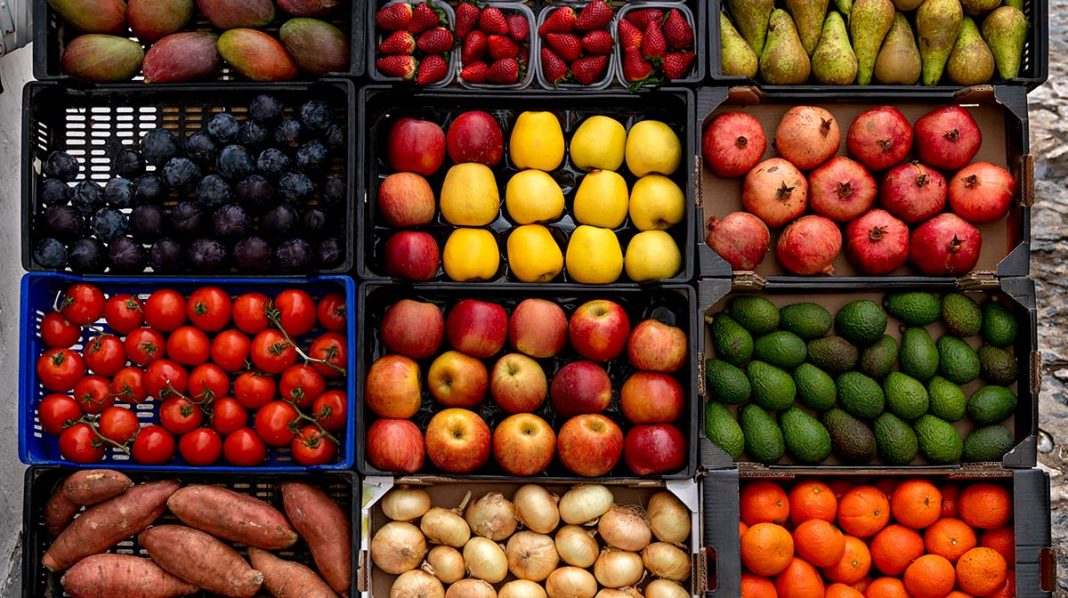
808 16
751 17
1005 30
1017 4
844 6
979 7
938 24
869 22
738 59
784 61
970 62
833 62
898 62
907 5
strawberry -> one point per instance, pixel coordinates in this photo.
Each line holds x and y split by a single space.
629 35
398 42
598 42
567 45
431 70
589 69
677 31
466 19
397 66
643 16
436 41
501 47
553 68
475 72
677 65
595 15
424 16
492 21
394 17
654 46
504 71
635 66
518 27
474 47
561 20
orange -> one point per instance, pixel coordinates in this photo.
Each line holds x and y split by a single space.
764 502
1008 589
886 587
1002 540
985 505
839 487
863 511
799 580
916 503
840 590
767 549
957 594
893 548
862 585
757 587
855 563
981 571
812 500
742 529
819 543
930 576
950 497
949 538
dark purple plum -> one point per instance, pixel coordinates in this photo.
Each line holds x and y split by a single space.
266 109
148 189
335 137
255 194
119 193
223 127
295 187
312 156
62 166
188 219
87 256
127 163
158 146
87 197
213 191
165 256
206 255
288 132
234 162
181 174
253 254
63 223
109 224
230 222
272 162
50 253
294 255
331 252
54 192
316 115
201 147
278 222
146 222
252 134
126 256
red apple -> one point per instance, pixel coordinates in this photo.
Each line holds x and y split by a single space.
651 398
478 328
457 440
457 380
393 388
599 329
538 328
656 347
524 444
655 448
475 136
580 387
412 255
416 145
733 143
518 383
406 199
413 328
589 445
395 445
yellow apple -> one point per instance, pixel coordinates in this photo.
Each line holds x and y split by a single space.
537 141
601 199
471 254
652 147
594 256
656 203
533 196
652 255
469 195
533 255
599 142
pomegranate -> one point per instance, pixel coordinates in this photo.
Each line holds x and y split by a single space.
841 189
733 143
947 138
807 136
877 243
981 192
945 245
776 191
880 137
913 192
809 245
740 238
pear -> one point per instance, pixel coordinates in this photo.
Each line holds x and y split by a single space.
898 62
1017 4
979 7
751 17
736 54
833 62
938 24
1005 30
784 61
907 5
808 17
970 62
844 6
869 21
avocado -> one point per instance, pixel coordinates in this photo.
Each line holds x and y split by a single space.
780 348
961 315
755 314
733 343
939 441
860 395
957 360
807 320
991 404
905 396
815 387
773 388
989 443
763 439
918 355
879 359
895 440
726 383
915 308
851 438
862 321
947 400
996 365
723 430
806 438
999 325
833 354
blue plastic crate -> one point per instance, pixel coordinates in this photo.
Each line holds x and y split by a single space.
39 292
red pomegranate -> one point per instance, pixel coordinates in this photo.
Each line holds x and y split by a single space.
945 245
913 192
877 243
776 191
841 189
809 245
733 143
880 137
807 136
981 192
947 138
740 238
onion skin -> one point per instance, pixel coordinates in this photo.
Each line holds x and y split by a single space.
668 518
618 568
585 503
446 563
536 508
620 593
667 561
570 582
406 504
531 556
471 588
522 588
662 588
443 526
416 584
492 516
485 560
576 546
625 528
398 547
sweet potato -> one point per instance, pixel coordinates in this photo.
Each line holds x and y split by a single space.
108 523
58 513
92 486
287 579
122 576
196 557
325 527
232 516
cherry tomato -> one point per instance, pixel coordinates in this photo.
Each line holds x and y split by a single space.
188 345
153 446
296 312
165 310
301 384
228 416
254 390
331 409
244 448
80 444
250 312
329 347
93 394
128 385
208 381
332 312
272 423
272 353
55 412
311 448
230 350
104 355
82 304
178 415
124 313
200 447
118 424
57 331
163 375
60 369
209 308
144 345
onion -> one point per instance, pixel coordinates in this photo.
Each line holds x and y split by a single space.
576 546
492 516
446 563
521 588
444 526
667 561
398 547
416 584
405 504
669 518
620 593
536 508
662 588
570 582
618 568
471 588
585 503
625 528
531 556
485 560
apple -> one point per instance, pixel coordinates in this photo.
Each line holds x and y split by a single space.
457 440
589 445
598 329
393 388
412 255
656 347
478 328
395 445
413 328
415 145
580 387
538 328
518 383
475 136
651 398
654 448
524 444
406 199
457 380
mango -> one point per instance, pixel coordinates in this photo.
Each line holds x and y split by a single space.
92 16
102 58
256 55
316 46
151 20
230 14
185 56
308 8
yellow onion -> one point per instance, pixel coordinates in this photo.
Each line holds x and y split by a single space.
485 560
620 593
446 563
416 584
405 504
398 547
492 516
445 526
531 556
521 588
471 588
576 546
668 518
570 582
618 568
536 508
625 528
667 561
662 588
585 503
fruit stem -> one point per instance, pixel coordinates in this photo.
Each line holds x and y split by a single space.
275 318
301 415
104 439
